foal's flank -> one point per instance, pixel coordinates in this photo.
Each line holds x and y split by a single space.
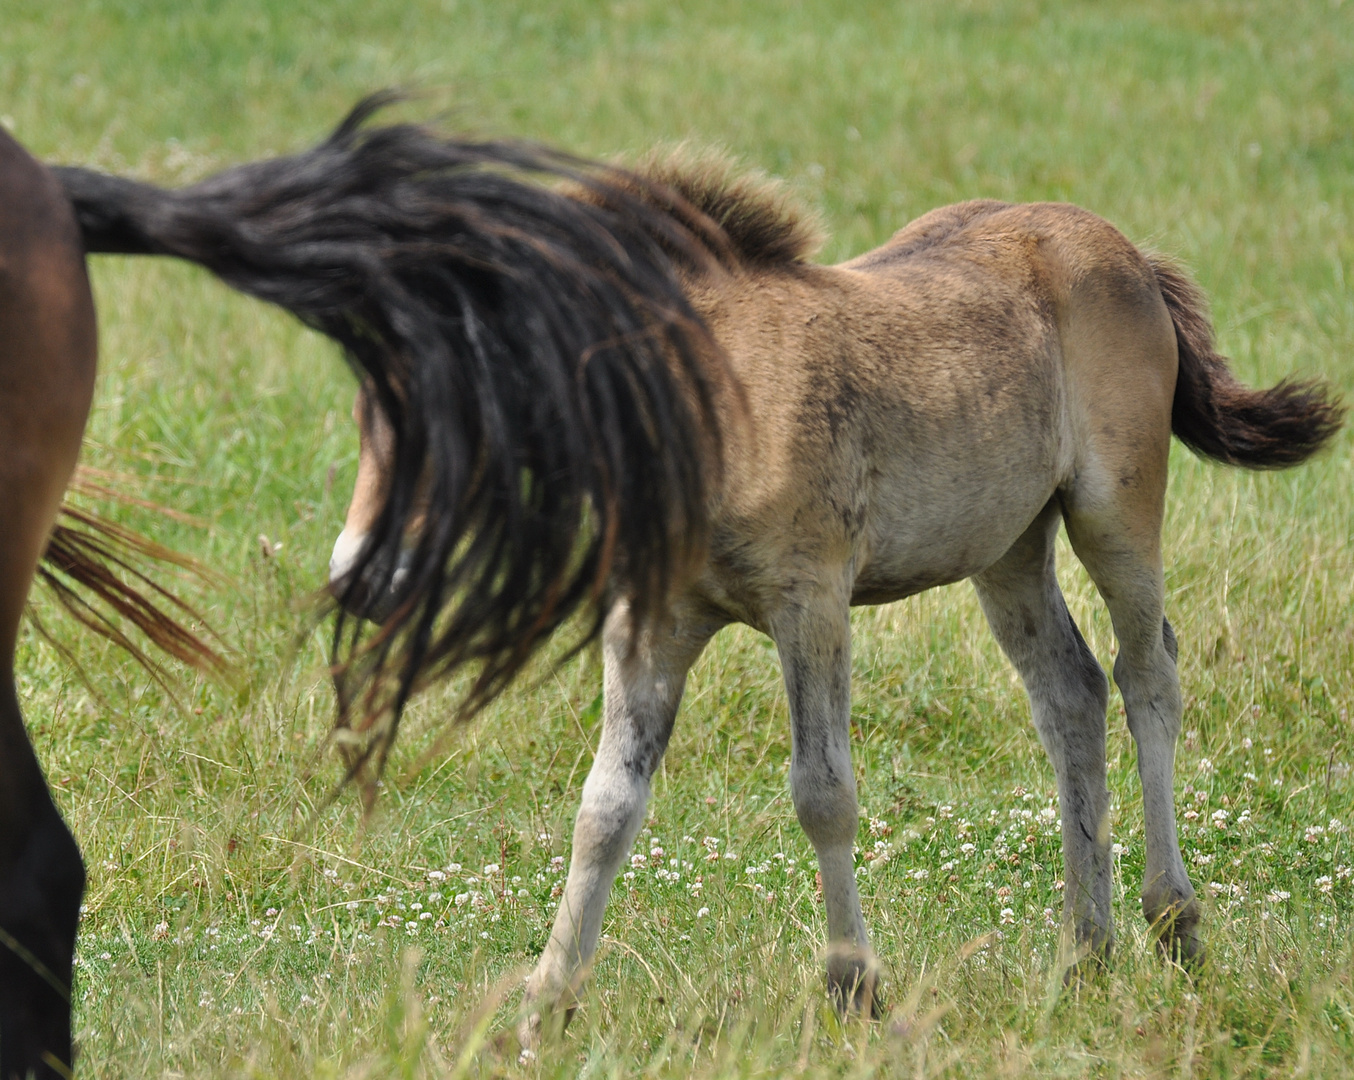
930 411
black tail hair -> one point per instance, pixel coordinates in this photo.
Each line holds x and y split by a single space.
99 574
1215 415
550 387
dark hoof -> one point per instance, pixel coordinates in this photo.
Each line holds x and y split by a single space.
1087 961
1178 937
853 989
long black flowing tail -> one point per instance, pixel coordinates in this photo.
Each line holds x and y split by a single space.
1216 415
550 387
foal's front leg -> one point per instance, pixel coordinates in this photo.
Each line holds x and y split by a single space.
642 687
813 636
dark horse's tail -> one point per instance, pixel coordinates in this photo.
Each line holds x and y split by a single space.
550 387
1215 415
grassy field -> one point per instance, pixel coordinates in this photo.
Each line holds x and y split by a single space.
232 929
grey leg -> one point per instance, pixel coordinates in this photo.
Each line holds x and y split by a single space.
813 636
1068 694
642 687
1129 577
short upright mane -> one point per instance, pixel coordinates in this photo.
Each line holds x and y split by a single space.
763 223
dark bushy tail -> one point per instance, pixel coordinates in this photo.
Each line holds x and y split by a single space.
99 574
550 387
1215 415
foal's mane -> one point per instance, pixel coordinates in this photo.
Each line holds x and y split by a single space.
763 224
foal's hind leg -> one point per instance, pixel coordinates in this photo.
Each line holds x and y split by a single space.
642 687
1068 693
813 635
1123 556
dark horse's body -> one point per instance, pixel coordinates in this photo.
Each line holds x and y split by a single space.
47 349
512 334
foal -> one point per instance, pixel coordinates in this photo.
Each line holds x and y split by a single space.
930 411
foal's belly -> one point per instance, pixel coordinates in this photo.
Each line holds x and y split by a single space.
907 550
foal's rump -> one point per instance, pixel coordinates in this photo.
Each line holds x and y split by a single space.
1033 350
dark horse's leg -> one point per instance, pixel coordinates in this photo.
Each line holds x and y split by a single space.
47 348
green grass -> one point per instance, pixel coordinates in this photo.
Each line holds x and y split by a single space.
234 929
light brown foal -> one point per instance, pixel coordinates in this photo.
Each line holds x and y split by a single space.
928 412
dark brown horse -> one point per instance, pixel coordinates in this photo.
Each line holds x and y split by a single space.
534 355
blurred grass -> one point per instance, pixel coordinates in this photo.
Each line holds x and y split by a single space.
233 930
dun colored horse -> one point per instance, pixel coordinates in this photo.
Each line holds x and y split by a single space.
545 381
930 411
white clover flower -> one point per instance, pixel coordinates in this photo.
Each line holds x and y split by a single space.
1048 815
1325 883
491 869
967 849
271 913
638 860
461 899
1246 743
1007 916
436 875
702 913
1278 896
453 868
1205 765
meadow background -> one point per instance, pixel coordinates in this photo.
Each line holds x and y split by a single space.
233 928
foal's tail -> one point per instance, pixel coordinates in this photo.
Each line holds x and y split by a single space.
1217 416
550 387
